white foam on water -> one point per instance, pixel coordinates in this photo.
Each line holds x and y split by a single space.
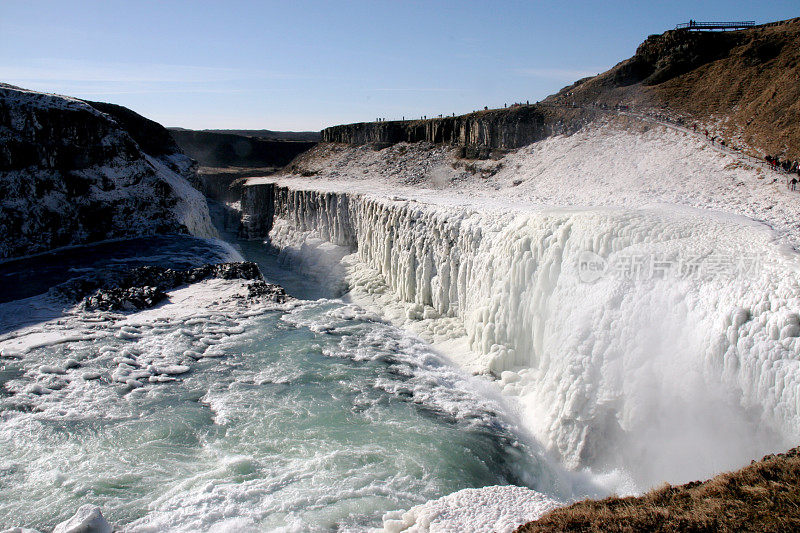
308 415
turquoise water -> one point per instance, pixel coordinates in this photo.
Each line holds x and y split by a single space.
312 416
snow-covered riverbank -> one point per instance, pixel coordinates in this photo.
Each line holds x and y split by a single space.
618 162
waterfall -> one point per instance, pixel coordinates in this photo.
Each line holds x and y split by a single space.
664 341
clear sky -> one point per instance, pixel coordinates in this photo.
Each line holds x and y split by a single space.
304 65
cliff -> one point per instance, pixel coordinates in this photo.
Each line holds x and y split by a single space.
73 172
741 85
478 133
153 138
215 149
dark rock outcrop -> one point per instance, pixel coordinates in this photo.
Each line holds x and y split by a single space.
213 149
225 184
478 133
258 210
124 299
153 138
71 173
146 286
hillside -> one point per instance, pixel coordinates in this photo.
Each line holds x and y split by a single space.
74 172
742 85
218 149
764 496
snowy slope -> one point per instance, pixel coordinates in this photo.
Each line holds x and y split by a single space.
619 162
71 174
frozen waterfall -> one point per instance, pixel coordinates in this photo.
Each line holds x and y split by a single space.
665 341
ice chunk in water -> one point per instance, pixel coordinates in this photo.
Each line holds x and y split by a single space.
88 519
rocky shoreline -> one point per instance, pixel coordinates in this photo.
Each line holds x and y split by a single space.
145 286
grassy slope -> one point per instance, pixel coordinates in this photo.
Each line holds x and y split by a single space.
764 496
749 77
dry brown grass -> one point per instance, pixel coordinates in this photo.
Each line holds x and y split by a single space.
749 77
764 496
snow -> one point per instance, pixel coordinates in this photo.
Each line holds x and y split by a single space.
88 519
498 509
191 209
146 361
16 96
676 360
145 194
610 164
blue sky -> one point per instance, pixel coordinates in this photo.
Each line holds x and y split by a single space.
297 65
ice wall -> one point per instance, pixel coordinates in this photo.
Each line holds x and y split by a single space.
663 341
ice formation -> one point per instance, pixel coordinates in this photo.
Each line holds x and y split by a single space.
500 508
662 339
88 519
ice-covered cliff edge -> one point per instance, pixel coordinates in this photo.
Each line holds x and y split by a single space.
71 173
662 339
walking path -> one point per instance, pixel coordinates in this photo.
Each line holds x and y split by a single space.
677 126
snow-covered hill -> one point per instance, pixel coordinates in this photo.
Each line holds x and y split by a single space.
71 174
619 162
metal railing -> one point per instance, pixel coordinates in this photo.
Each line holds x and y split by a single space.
696 25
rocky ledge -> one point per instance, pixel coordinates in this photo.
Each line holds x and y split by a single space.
73 172
143 287
477 133
764 496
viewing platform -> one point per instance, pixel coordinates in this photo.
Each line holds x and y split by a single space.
713 26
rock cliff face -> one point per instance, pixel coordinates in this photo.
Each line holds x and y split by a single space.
73 172
478 133
258 211
213 149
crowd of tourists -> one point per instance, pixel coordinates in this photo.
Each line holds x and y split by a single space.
787 166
